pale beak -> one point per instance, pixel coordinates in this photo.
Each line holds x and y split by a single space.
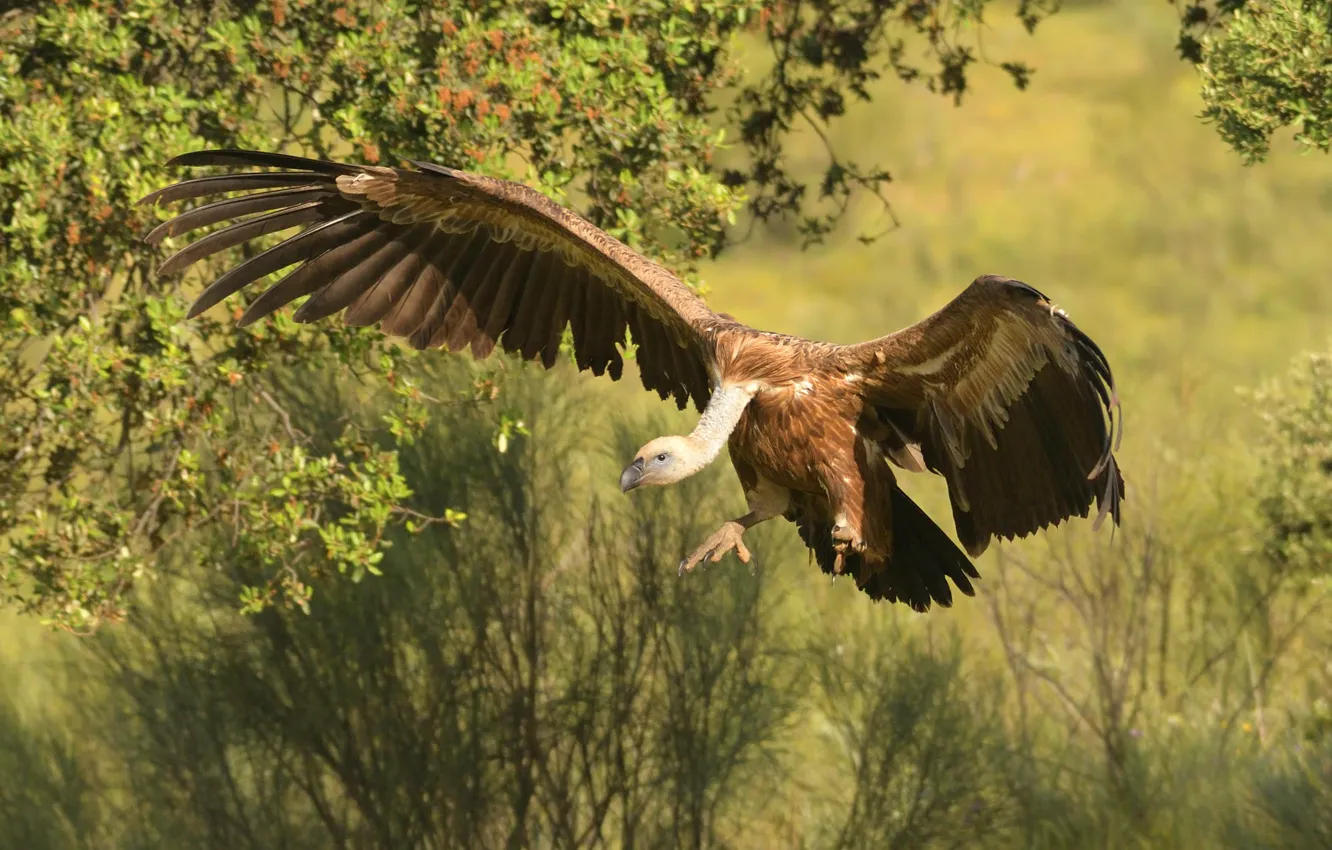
632 475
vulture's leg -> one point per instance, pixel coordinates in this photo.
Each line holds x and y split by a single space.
766 500
846 499
722 541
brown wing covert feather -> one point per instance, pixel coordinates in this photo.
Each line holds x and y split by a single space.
445 259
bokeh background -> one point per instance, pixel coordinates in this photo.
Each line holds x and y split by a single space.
536 675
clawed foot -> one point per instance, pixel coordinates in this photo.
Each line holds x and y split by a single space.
722 541
845 541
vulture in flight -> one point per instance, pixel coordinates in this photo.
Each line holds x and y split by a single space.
998 392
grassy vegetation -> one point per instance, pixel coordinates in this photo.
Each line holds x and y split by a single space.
1164 689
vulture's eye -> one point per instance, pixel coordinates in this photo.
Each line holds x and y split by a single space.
661 458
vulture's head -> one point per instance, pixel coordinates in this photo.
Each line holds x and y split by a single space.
665 460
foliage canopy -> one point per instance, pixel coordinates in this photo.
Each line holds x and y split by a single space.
1268 68
1296 485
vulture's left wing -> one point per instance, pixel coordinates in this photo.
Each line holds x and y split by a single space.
443 258
1007 399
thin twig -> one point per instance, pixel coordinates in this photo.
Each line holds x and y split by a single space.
296 436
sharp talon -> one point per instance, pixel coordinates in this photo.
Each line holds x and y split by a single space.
681 570
846 542
715 547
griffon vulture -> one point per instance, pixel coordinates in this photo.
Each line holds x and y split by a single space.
998 391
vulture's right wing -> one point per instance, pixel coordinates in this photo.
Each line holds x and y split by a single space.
444 258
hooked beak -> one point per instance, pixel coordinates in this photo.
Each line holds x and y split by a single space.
632 475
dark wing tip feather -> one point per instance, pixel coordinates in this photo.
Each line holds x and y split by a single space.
219 184
231 156
236 208
1102 379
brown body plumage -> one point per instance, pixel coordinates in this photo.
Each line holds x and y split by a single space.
998 391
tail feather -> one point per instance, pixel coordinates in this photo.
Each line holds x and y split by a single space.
917 572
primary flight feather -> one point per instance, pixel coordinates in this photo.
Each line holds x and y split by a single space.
998 391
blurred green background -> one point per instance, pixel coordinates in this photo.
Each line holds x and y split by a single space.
1164 687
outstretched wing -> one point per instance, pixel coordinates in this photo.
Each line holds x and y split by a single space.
443 258
1007 399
